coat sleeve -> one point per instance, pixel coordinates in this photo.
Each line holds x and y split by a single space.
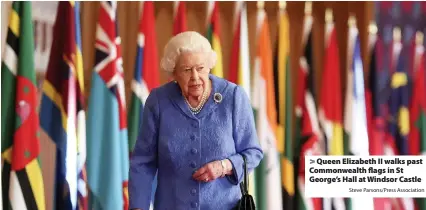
143 163
245 137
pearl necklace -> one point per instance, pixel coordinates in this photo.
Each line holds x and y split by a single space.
198 108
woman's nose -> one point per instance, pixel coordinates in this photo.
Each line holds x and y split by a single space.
194 74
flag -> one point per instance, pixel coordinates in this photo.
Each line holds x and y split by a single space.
146 75
107 141
399 126
330 106
373 100
283 104
22 181
307 133
417 134
179 20
372 96
398 102
81 118
268 174
62 114
213 35
239 68
356 134
179 17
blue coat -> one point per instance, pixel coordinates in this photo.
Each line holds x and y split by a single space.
174 142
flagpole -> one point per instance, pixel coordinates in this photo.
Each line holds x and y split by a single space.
282 5
260 5
372 29
328 24
419 45
419 37
308 8
307 22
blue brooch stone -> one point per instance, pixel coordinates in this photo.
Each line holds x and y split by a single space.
217 97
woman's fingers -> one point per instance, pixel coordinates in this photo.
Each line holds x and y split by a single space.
207 173
204 177
199 172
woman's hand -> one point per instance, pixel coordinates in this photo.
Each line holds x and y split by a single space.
213 170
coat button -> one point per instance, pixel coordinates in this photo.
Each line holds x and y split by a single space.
193 191
195 125
194 204
192 137
194 151
193 165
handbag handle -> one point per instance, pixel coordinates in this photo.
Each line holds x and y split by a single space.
244 183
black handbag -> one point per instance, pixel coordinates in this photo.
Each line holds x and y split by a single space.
246 202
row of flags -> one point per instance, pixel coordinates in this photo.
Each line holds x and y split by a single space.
92 150
381 116
87 151
395 107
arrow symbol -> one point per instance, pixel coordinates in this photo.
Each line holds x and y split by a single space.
311 161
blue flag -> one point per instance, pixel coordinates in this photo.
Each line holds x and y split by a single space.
107 140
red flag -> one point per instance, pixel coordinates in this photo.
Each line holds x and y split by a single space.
235 50
308 133
179 24
150 73
330 106
179 20
330 109
417 135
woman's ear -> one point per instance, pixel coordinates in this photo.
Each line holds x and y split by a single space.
172 77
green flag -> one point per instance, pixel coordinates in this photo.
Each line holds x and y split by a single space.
283 94
20 131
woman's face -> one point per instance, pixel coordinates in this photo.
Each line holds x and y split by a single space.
192 74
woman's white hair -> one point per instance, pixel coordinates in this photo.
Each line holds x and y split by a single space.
189 41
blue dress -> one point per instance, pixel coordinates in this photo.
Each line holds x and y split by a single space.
174 143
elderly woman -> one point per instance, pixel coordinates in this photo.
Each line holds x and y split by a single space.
194 132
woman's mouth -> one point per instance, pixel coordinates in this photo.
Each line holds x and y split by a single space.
195 86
